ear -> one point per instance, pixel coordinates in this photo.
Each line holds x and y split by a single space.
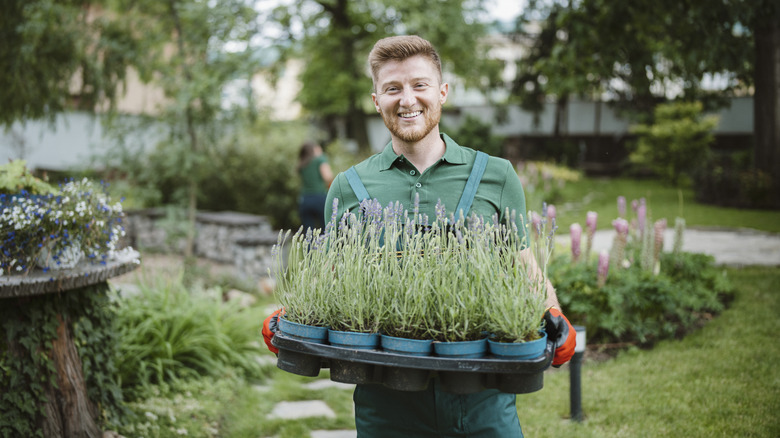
444 90
376 102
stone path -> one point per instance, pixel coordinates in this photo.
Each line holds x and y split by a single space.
293 410
732 247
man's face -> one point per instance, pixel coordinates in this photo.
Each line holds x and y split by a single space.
409 97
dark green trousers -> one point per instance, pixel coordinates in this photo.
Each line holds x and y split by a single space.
382 412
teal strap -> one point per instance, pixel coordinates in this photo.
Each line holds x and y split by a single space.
466 199
357 185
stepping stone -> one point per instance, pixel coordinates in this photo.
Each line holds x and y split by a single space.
301 409
333 434
262 388
266 360
324 384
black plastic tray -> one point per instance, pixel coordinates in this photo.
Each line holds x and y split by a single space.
412 373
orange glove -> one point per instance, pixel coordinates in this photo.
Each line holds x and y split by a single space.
561 332
269 329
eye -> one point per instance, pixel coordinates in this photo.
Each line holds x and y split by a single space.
421 86
391 90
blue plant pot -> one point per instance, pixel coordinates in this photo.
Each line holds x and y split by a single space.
518 350
408 346
461 349
303 332
356 340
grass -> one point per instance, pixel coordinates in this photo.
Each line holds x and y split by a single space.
664 201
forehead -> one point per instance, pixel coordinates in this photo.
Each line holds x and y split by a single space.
416 67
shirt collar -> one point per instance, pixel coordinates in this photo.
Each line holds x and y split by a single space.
453 154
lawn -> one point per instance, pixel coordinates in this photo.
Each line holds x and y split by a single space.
664 201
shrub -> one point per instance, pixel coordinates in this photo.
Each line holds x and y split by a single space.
677 142
168 333
647 294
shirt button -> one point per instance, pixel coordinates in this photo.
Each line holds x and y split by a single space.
418 185
412 172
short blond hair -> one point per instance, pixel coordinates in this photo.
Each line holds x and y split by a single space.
399 48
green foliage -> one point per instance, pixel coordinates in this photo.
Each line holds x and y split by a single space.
725 180
53 50
636 306
255 173
15 177
633 50
191 407
476 134
545 182
28 326
677 142
168 333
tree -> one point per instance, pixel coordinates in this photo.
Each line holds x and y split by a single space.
58 55
192 49
336 36
642 52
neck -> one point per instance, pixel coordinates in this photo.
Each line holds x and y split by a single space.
424 153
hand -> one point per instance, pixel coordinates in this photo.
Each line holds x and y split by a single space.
269 329
561 332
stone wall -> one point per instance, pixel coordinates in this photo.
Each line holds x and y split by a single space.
240 239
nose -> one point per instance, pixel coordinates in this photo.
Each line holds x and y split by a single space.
408 98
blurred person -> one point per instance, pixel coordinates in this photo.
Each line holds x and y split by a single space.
316 177
422 162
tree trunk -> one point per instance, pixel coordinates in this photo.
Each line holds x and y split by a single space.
68 412
766 99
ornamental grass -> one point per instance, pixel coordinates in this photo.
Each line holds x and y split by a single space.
385 269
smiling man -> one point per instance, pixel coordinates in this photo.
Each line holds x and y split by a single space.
421 163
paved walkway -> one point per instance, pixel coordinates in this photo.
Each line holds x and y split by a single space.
742 247
730 247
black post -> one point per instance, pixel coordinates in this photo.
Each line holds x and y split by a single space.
575 389
575 376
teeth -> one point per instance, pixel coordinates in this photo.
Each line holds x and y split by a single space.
412 114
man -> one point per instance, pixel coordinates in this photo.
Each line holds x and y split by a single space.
420 162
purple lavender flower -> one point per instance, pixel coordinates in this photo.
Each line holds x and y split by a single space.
641 214
590 221
621 226
603 268
551 211
575 231
621 206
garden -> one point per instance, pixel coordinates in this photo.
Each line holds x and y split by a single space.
670 346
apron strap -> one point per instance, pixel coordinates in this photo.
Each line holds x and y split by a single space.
466 199
357 185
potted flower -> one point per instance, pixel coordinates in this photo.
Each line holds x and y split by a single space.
53 231
16 179
514 321
302 287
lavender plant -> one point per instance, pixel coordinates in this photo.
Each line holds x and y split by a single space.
409 275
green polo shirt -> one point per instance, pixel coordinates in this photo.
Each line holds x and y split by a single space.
389 178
